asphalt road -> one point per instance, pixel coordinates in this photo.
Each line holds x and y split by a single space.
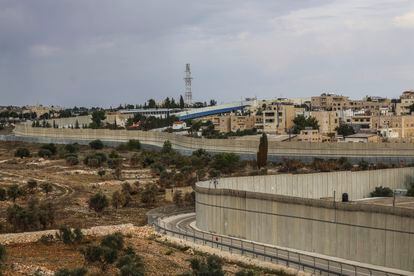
319 266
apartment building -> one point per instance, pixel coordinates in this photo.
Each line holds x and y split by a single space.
328 120
329 102
401 126
277 118
233 123
406 99
312 136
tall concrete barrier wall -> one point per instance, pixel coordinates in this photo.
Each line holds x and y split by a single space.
356 184
385 152
379 235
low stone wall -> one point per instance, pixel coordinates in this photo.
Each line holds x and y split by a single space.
97 231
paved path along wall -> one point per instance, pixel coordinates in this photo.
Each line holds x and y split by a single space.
384 152
379 235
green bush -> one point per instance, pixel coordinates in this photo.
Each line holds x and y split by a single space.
72 160
14 191
410 190
46 187
51 147
96 144
98 202
95 160
382 192
47 239
167 147
149 195
3 194
212 266
72 148
71 272
92 254
31 184
22 152
113 241
226 162
66 235
131 145
44 153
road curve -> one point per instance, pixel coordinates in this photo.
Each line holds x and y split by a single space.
182 226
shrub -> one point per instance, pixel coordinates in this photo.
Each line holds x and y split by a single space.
167 147
31 184
3 255
291 165
130 264
77 235
50 147
3 194
72 160
96 144
72 148
14 192
189 199
113 154
71 272
44 153
32 217
92 254
95 160
149 195
131 145
46 187
66 235
245 272
226 162
22 152
363 165
212 266
410 190
118 199
382 192
214 173
178 198
134 160
101 173
98 202
46 239
113 241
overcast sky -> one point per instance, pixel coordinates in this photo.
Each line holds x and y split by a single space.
106 52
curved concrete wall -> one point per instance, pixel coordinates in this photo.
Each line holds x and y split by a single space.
386 153
379 235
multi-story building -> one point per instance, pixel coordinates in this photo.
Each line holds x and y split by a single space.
233 123
328 120
277 118
399 125
312 136
406 100
329 102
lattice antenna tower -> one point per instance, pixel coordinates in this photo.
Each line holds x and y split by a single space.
188 79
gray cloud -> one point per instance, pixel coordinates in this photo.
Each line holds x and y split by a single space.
102 52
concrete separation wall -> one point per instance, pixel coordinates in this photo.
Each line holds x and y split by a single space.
385 152
318 185
380 235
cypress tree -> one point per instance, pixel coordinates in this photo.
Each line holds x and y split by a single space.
262 153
